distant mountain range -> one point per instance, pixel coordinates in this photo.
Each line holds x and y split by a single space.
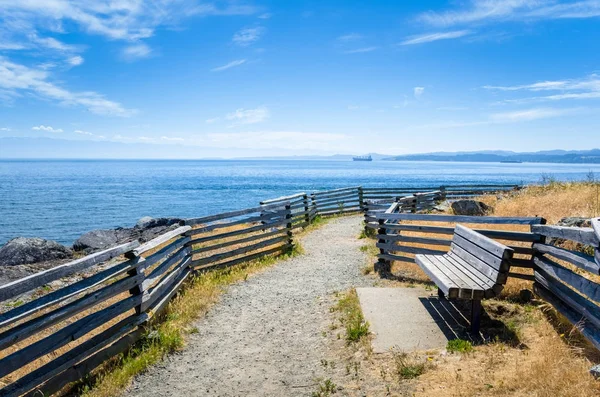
495 156
47 148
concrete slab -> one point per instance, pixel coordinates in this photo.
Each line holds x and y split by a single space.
409 319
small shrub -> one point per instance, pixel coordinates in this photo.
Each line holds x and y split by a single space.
326 388
407 367
459 346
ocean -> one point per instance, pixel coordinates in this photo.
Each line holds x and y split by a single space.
62 199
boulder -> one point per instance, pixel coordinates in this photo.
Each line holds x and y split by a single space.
150 223
145 229
444 206
471 207
26 250
102 239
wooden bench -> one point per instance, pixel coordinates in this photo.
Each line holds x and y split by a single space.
476 268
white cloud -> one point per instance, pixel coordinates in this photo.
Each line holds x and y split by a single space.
136 51
75 61
479 11
115 19
171 139
516 116
586 88
248 116
350 37
229 65
51 43
279 139
529 115
418 91
429 37
361 50
46 128
5 129
16 78
246 37
81 132
266 15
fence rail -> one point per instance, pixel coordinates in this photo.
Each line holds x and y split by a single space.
566 278
101 303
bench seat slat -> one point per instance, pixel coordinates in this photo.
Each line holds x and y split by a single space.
474 250
483 280
475 268
439 278
469 288
492 246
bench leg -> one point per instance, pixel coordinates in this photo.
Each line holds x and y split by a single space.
441 294
475 315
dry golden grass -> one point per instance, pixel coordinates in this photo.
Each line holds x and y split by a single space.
551 358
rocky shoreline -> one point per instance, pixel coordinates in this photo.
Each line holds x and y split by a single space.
23 256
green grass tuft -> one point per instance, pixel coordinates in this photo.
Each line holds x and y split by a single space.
459 346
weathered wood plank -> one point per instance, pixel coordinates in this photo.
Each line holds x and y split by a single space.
415 240
410 250
67 360
464 248
239 251
38 324
28 283
577 302
588 330
438 277
251 229
164 285
67 292
329 192
486 243
165 252
270 218
583 285
468 287
283 198
578 259
247 258
462 219
495 234
581 235
160 240
161 303
65 335
233 214
240 241
157 273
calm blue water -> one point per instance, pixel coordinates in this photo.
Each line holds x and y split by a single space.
60 200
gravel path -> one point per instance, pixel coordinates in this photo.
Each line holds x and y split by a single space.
265 336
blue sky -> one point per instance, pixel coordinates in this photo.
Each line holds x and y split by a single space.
291 77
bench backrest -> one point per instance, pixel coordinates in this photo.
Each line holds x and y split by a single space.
489 257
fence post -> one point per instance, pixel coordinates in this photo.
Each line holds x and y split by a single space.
313 204
443 193
307 209
288 226
413 207
140 269
382 266
361 202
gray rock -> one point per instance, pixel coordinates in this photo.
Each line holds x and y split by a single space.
26 250
150 223
103 239
575 222
471 207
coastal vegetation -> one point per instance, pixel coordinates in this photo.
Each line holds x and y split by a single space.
536 351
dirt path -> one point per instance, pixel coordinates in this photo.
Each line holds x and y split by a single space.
265 338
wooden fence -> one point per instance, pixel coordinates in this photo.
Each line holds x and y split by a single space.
453 192
302 206
569 279
65 321
59 336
